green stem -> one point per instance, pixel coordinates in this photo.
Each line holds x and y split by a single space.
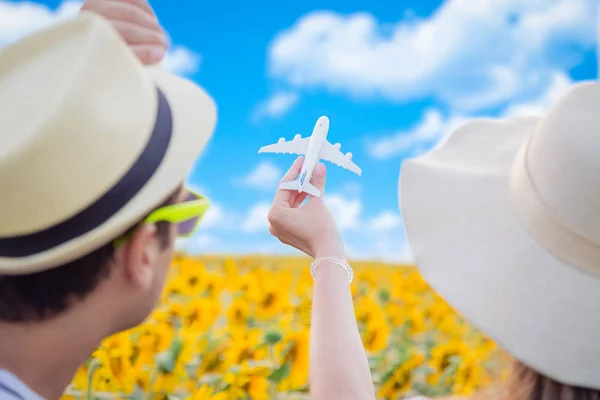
272 385
94 365
151 384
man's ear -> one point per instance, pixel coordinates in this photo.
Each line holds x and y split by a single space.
140 255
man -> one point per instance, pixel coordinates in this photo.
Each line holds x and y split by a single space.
94 150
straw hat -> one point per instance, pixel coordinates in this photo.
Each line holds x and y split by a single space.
90 141
504 222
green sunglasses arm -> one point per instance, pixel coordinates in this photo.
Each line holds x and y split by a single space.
179 212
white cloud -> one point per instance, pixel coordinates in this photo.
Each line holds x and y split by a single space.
204 240
350 189
276 106
196 242
385 221
200 242
197 188
385 229
378 238
381 238
181 61
559 84
22 18
214 217
434 127
264 177
257 218
471 54
219 219
390 249
429 130
345 211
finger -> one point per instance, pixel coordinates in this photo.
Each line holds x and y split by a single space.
294 170
273 231
276 234
149 55
285 198
318 179
141 4
125 12
136 35
300 199
292 243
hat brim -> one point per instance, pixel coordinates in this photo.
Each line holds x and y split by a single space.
471 247
194 118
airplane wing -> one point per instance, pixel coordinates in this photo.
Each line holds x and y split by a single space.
295 146
332 154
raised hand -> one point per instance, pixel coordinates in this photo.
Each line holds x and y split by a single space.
137 23
310 228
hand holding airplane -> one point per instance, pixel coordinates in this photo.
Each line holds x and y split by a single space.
313 148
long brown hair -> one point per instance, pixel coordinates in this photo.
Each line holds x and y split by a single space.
525 383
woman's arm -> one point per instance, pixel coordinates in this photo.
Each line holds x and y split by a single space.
339 369
338 363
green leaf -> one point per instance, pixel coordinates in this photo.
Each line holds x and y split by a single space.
273 337
137 394
211 345
384 296
177 347
166 361
236 369
388 375
191 369
87 362
424 370
286 349
422 389
280 373
374 361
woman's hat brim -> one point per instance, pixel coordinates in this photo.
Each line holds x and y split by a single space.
472 248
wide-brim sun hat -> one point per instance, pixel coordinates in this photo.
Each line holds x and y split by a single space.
503 219
90 141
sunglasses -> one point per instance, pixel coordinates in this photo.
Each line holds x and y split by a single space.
187 215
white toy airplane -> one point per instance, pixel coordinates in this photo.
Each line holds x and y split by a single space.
313 149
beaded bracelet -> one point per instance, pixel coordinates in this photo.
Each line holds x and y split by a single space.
342 263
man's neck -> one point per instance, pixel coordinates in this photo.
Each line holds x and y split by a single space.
46 355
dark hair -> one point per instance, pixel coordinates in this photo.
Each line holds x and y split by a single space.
527 384
41 295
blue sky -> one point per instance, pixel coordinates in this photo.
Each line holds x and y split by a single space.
394 78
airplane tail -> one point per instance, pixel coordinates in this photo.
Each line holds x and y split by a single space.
310 189
290 185
295 185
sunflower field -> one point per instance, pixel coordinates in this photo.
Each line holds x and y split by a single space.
238 328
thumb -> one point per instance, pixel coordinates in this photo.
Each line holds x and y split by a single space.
318 179
149 54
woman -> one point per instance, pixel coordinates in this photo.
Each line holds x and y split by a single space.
504 221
